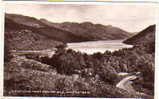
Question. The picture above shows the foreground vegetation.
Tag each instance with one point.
(70, 73)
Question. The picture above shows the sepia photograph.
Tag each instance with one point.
(79, 50)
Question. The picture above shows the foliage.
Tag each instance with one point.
(77, 71)
(107, 65)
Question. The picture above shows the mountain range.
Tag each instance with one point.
(70, 32)
(90, 30)
(43, 29)
(25, 32)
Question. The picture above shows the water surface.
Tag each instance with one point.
(91, 47)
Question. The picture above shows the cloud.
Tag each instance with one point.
(130, 17)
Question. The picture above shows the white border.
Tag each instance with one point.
(84, 2)
(1, 46)
(157, 55)
(148, 1)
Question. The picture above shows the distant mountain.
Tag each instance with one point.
(90, 30)
(145, 36)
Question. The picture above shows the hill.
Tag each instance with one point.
(69, 32)
(145, 36)
(21, 37)
(40, 34)
(90, 30)
(43, 29)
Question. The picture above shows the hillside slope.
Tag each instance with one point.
(43, 29)
(21, 37)
(145, 36)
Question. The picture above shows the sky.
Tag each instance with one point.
(129, 17)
